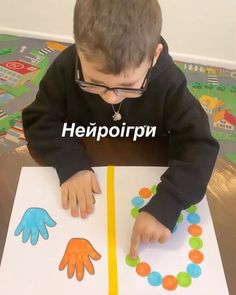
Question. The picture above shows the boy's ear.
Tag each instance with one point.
(157, 53)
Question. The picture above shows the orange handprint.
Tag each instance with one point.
(77, 256)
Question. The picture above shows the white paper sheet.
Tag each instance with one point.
(33, 269)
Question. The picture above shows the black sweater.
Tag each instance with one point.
(167, 104)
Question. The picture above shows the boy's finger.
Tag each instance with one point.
(64, 197)
(73, 204)
(82, 205)
(95, 185)
(163, 239)
(154, 239)
(89, 201)
(145, 238)
(135, 240)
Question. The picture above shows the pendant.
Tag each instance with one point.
(116, 116)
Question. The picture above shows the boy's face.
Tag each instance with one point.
(130, 78)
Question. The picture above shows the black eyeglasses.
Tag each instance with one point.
(101, 89)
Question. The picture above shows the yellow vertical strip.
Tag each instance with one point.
(111, 233)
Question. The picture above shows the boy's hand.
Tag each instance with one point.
(77, 193)
(148, 230)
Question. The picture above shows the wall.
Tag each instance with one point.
(202, 31)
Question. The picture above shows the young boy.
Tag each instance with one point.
(119, 70)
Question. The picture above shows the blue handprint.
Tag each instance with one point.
(33, 223)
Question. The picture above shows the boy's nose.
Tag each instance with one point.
(110, 97)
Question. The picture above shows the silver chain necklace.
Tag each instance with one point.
(117, 116)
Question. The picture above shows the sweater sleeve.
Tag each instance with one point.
(43, 122)
(192, 154)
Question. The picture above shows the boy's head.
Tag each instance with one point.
(117, 38)
(117, 34)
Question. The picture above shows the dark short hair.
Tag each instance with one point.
(117, 34)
